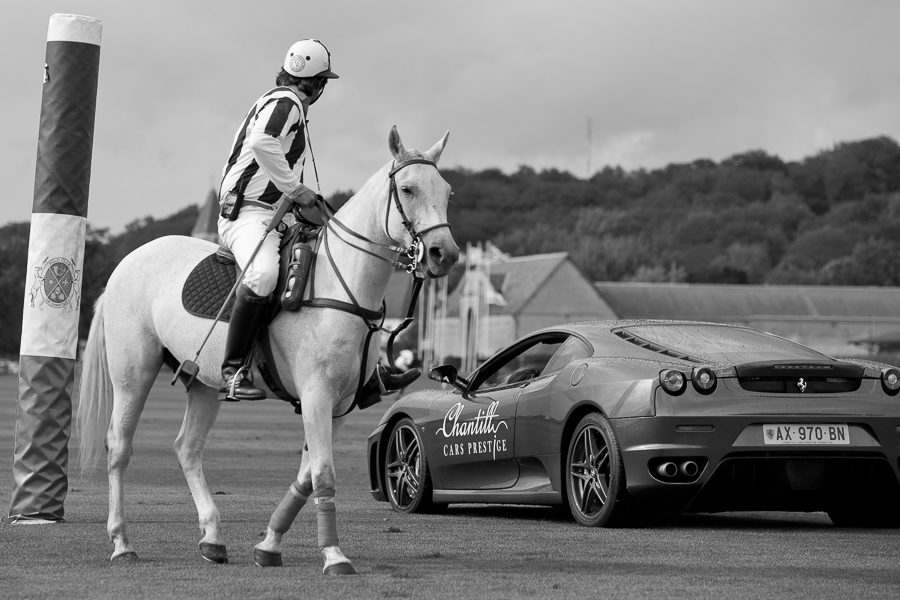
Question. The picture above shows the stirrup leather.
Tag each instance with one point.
(379, 371)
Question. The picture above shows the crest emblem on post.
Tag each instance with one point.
(801, 385)
(55, 283)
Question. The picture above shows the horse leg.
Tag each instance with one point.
(321, 430)
(128, 403)
(267, 553)
(199, 417)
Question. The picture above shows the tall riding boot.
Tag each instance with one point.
(245, 316)
(381, 379)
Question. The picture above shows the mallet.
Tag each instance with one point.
(190, 368)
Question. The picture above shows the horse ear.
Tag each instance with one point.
(396, 146)
(435, 152)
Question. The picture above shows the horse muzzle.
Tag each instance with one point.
(441, 252)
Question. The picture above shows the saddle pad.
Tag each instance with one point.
(207, 287)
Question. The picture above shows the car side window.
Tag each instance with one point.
(522, 366)
(573, 349)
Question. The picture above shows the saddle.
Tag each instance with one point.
(209, 283)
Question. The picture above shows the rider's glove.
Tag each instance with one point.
(303, 196)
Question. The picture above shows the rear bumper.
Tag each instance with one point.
(737, 470)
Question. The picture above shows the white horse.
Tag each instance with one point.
(317, 351)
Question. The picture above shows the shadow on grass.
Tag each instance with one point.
(648, 520)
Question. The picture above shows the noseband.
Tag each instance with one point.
(416, 235)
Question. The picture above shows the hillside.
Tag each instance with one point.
(829, 219)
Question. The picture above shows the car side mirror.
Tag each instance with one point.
(448, 374)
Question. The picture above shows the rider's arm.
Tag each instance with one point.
(268, 153)
(265, 140)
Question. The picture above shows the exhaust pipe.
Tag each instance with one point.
(689, 468)
(667, 470)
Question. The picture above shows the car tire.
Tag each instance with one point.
(407, 479)
(595, 476)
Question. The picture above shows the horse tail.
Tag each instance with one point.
(95, 396)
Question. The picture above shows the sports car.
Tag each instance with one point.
(613, 419)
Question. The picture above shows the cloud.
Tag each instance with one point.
(514, 81)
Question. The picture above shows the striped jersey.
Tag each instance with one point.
(269, 150)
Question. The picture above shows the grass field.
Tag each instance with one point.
(469, 552)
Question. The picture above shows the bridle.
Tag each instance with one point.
(415, 235)
(414, 252)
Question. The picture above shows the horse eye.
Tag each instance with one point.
(405, 190)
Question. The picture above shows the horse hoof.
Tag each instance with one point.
(126, 558)
(214, 553)
(341, 568)
(266, 559)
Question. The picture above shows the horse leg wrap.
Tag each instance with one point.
(290, 506)
(325, 517)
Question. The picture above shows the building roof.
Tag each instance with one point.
(516, 279)
(206, 227)
(735, 302)
(523, 276)
(889, 337)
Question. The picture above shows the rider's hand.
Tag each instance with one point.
(303, 196)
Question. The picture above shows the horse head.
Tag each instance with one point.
(421, 196)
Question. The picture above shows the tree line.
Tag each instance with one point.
(752, 218)
(829, 219)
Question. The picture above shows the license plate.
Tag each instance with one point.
(788, 435)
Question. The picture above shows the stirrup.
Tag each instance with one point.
(238, 376)
(406, 377)
(242, 373)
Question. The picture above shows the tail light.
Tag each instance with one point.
(704, 380)
(672, 381)
(890, 380)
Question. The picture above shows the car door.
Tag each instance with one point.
(472, 440)
(473, 434)
(541, 406)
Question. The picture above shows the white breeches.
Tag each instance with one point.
(241, 236)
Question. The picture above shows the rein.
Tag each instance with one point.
(414, 252)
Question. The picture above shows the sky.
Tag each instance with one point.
(571, 85)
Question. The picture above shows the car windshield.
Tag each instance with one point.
(719, 344)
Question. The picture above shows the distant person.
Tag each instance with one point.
(404, 360)
(265, 161)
